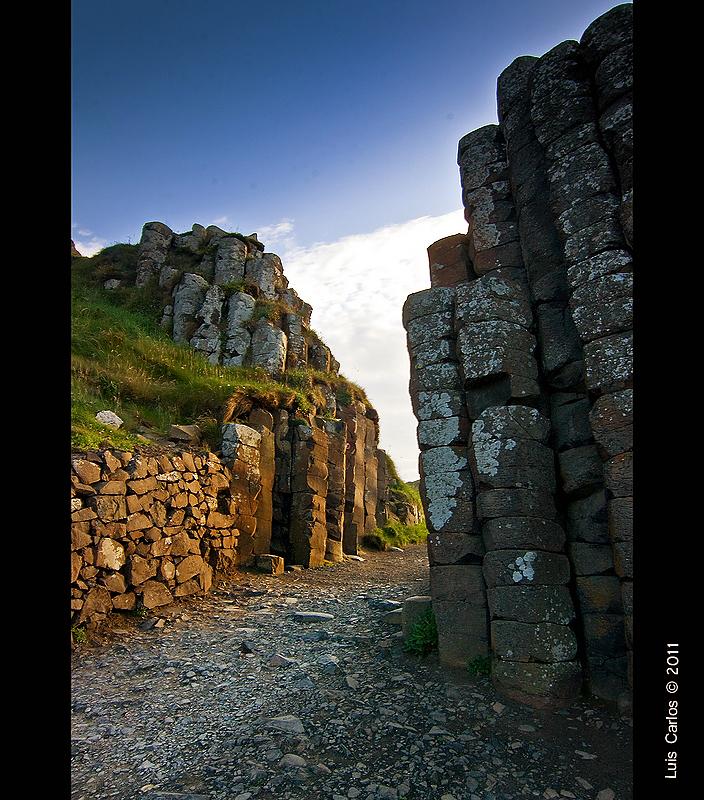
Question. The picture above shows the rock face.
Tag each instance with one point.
(521, 380)
(227, 298)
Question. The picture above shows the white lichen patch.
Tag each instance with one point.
(522, 567)
(486, 449)
(442, 460)
(434, 404)
(440, 511)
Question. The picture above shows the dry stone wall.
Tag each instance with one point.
(521, 380)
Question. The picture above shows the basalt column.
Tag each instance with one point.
(582, 497)
(539, 292)
(556, 102)
(336, 431)
(371, 465)
(263, 422)
(454, 547)
(309, 485)
(353, 529)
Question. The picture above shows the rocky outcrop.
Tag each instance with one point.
(521, 380)
(229, 299)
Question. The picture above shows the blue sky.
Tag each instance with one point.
(313, 123)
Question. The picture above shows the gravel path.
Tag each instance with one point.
(184, 712)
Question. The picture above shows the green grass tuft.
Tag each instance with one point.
(395, 534)
(481, 665)
(423, 635)
(123, 361)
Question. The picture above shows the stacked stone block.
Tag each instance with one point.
(336, 431)
(149, 529)
(544, 330)
(309, 484)
(447, 487)
(263, 422)
(353, 529)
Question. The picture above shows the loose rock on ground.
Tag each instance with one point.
(185, 712)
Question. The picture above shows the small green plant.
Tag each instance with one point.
(423, 635)
(79, 634)
(481, 665)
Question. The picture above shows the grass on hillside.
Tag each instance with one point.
(124, 362)
(395, 534)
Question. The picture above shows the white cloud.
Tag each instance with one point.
(89, 247)
(357, 287)
(280, 233)
(224, 220)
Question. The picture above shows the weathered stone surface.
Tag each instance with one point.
(266, 273)
(442, 432)
(448, 494)
(448, 261)
(190, 566)
(458, 581)
(599, 594)
(531, 604)
(515, 502)
(608, 363)
(270, 564)
(153, 246)
(451, 548)
(618, 475)
(620, 519)
(463, 631)
(586, 518)
(500, 295)
(527, 567)
(188, 300)
(590, 559)
(507, 533)
(611, 420)
(429, 301)
(140, 570)
(155, 594)
(528, 681)
(268, 347)
(580, 469)
(86, 470)
(109, 418)
(110, 554)
(229, 261)
(413, 608)
(543, 641)
(97, 601)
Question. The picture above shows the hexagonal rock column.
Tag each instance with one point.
(353, 530)
(562, 376)
(449, 261)
(263, 422)
(336, 431)
(153, 247)
(240, 451)
(591, 208)
(447, 488)
(309, 484)
(533, 645)
(371, 441)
